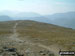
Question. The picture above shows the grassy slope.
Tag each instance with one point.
(6, 27)
(52, 34)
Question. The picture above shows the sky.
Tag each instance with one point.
(38, 6)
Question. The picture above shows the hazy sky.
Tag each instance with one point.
(38, 6)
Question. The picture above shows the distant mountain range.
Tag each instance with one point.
(61, 19)
(5, 18)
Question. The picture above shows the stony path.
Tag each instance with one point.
(14, 37)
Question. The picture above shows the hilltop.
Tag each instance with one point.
(35, 37)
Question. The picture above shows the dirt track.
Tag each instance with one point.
(14, 37)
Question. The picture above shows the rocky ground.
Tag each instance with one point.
(13, 44)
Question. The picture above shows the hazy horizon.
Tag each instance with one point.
(58, 12)
(43, 7)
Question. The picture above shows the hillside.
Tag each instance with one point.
(35, 36)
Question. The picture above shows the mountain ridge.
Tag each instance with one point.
(61, 19)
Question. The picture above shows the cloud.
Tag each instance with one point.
(59, 3)
(20, 0)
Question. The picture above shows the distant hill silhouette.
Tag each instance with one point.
(61, 19)
(5, 18)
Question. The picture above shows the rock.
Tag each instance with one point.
(20, 54)
(46, 52)
(9, 49)
(42, 53)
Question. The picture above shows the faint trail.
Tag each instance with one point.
(15, 34)
(14, 28)
(14, 37)
(54, 49)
